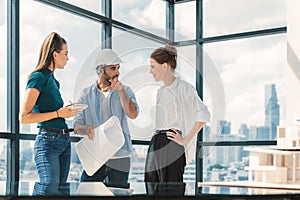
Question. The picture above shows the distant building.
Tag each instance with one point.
(224, 155)
(244, 130)
(224, 127)
(263, 133)
(259, 133)
(252, 132)
(271, 111)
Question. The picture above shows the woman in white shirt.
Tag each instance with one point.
(180, 115)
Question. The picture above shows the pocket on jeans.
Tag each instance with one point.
(50, 137)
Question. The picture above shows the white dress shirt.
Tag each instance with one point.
(179, 106)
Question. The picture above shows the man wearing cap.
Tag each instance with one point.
(106, 98)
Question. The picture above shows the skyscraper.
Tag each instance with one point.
(271, 110)
(224, 127)
(244, 130)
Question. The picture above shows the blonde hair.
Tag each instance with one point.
(53, 42)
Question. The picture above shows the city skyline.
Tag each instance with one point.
(267, 128)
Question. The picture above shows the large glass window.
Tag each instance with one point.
(3, 65)
(134, 72)
(186, 64)
(137, 168)
(248, 85)
(91, 5)
(28, 171)
(80, 43)
(225, 164)
(185, 12)
(3, 166)
(149, 15)
(186, 70)
(234, 16)
(254, 77)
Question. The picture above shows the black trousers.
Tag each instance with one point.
(165, 160)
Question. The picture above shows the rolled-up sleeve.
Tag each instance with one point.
(79, 119)
(198, 108)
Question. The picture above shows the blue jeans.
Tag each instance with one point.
(52, 154)
(114, 173)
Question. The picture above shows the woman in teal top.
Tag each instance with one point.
(43, 105)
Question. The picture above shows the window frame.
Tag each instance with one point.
(13, 134)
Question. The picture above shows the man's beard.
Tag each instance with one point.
(108, 79)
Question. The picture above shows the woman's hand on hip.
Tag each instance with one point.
(176, 137)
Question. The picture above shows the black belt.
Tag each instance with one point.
(165, 131)
(57, 130)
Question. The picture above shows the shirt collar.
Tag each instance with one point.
(174, 84)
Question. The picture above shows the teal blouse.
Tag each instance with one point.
(49, 99)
